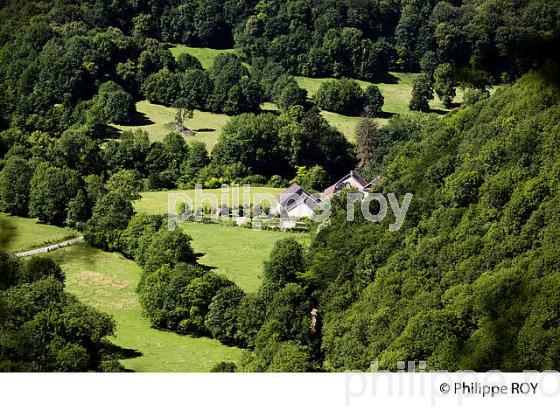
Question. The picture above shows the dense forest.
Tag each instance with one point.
(470, 281)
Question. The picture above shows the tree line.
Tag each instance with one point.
(46, 329)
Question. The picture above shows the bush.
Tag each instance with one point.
(473, 95)
(45, 329)
(15, 186)
(286, 260)
(164, 87)
(444, 84)
(168, 248)
(224, 367)
(314, 178)
(291, 95)
(163, 295)
(251, 314)
(341, 96)
(276, 181)
(112, 104)
(422, 92)
(373, 100)
(196, 89)
(221, 320)
(186, 61)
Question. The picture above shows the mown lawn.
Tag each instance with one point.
(206, 56)
(155, 203)
(159, 121)
(23, 234)
(107, 281)
(237, 253)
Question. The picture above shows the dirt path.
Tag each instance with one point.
(50, 248)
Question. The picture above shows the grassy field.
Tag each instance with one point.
(206, 56)
(396, 91)
(159, 122)
(156, 202)
(237, 253)
(23, 234)
(107, 281)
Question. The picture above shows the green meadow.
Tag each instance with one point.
(155, 202)
(107, 281)
(237, 253)
(396, 90)
(159, 121)
(206, 56)
(23, 234)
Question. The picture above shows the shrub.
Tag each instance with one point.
(221, 320)
(373, 100)
(163, 87)
(186, 61)
(422, 92)
(341, 96)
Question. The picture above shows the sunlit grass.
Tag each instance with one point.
(160, 121)
(23, 234)
(107, 281)
(206, 56)
(156, 202)
(238, 253)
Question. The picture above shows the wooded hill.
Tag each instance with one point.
(472, 279)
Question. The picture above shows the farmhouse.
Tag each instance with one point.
(296, 202)
(352, 180)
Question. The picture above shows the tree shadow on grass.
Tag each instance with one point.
(438, 111)
(205, 268)
(385, 78)
(107, 132)
(120, 353)
(386, 115)
(139, 120)
(8, 233)
(269, 111)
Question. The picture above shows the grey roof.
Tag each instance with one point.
(358, 178)
(373, 182)
(296, 195)
(337, 186)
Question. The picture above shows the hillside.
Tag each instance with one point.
(107, 282)
(23, 234)
(158, 121)
(108, 106)
(471, 281)
(396, 88)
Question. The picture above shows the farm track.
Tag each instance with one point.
(50, 248)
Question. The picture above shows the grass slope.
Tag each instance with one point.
(206, 56)
(237, 253)
(155, 203)
(23, 234)
(159, 122)
(396, 90)
(107, 281)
